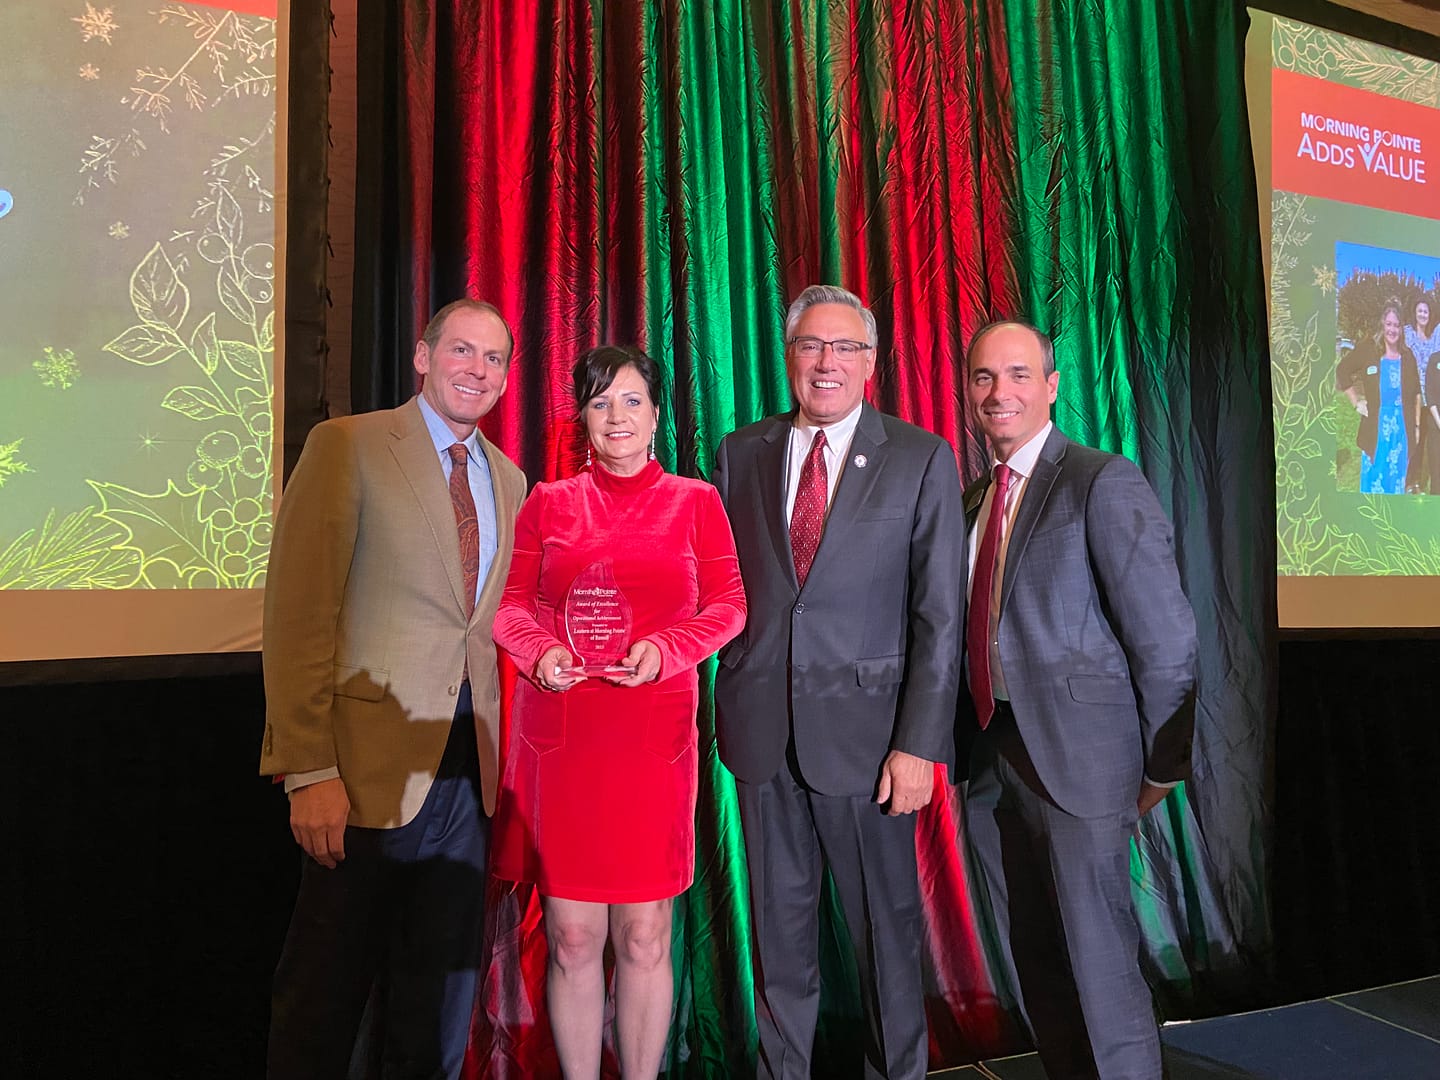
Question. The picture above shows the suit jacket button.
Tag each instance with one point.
(799, 609)
(453, 689)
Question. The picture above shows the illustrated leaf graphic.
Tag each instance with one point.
(158, 295)
(10, 465)
(229, 221)
(267, 333)
(145, 345)
(204, 345)
(80, 551)
(1312, 51)
(235, 301)
(161, 528)
(195, 402)
(244, 360)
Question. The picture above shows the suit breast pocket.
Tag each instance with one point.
(1055, 547)
(883, 513)
(1053, 532)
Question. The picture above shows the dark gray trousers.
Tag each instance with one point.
(791, 834)
(1058, 889)
(398, 924)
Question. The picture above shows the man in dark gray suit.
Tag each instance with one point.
(836, 702)
(1080, 653)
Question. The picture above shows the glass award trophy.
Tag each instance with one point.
(598, 622)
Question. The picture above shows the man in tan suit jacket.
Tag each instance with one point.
(382, 709)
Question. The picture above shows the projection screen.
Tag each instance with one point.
(1347, 146)
(140, 223)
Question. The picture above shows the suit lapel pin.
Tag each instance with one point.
(861, 461)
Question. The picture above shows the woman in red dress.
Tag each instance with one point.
(597, 803)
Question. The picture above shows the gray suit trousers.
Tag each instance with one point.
(1058, 889)
(791, 834)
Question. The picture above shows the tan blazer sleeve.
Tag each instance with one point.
(314, 542)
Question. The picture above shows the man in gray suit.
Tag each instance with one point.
(1080, 653)
(836, 702)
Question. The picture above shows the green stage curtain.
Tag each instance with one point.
(1138, 249)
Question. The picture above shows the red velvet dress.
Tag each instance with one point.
(597, 799)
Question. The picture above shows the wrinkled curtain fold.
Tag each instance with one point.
(673, 172)
(1137, 245)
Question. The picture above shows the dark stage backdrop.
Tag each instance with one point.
(148, 873)
(1357, 860)
(672, 172)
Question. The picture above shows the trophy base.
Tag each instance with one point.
(592, 670)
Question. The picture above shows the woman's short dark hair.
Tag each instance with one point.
(596, 370)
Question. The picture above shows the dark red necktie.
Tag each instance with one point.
(463, 503)
(807, 520)
(982, 586)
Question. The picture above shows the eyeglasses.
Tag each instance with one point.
(811, 347)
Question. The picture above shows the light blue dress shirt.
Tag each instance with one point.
(477, 471)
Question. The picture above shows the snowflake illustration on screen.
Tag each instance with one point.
(59, 369)
(97, 24)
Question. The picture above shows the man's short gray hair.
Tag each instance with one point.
(830, 294)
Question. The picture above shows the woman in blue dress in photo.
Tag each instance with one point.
(1422, 338)
(1382, 384)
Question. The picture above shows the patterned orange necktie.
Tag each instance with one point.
(463, 503)
(807, 520)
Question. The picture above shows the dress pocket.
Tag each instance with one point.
(540, 720)
(670, 724)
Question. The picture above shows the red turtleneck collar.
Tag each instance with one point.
(615, 484)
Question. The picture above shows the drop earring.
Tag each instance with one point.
(652, 446)
(587, 456)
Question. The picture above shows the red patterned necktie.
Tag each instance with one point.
(807, 520)
(463, 503)
(982, 586)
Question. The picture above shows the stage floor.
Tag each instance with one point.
(1389, 1033)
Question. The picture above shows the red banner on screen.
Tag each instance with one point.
(1354, 146)
(242, 7)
